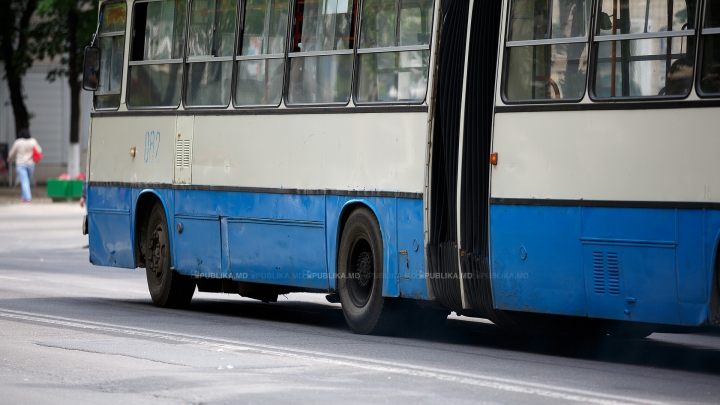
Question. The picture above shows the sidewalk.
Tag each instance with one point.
(12, 195)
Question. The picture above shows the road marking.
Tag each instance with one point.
(504, 384)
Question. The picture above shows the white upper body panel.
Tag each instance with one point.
(616, 155)
(360, 152)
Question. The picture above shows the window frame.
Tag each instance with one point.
(388, 49)
(122, 64)
(187, 60)
(290, 39)
(180, 60)
(592, 57)
(701, 33)
(586, 39)
(240, 28)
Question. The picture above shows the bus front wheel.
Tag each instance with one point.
(168, 288)
(360, 277)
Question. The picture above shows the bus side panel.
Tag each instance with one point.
(109, 226)
(265, 238)
(631, 264)
(197, 245)
(277, 252)
(536, 259)
(411, 271)
(692, 265)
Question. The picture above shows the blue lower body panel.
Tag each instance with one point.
(271, 238)
(630, 264)
(110, 227)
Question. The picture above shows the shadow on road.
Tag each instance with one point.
(641, 352)
(458, 335)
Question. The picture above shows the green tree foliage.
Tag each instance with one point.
(15, 53)
(65, 27)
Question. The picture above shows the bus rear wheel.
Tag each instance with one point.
(360, 277)
(168, 288)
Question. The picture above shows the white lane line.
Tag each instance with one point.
(15, 278)
(505, 384)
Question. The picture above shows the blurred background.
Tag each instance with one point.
(41, 46)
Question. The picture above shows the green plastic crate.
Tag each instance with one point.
(57, 189)
(60, 190)
(75, 189)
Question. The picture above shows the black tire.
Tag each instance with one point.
(168, 288)
(360, 277)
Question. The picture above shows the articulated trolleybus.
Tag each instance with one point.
(538, 163)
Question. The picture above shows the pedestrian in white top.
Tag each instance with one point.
(24, 148)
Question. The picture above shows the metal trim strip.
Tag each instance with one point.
(406, 48)
(629, 242)
(209, 58)
(111, 211)
(644, 35)
(154, 62)
(260, 57)
(551, 41)
(605, 203)
(610, 104)
(710, 31)
(271, 221)
(267, 190)
(320, 53)
(145, 112)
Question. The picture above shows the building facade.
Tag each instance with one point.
(49, 106)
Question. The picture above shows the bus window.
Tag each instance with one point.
(156, 54)
(644, 48)
(709, 81)
(321, 57)
(546, 50)
(112, 45)
(211, 38)
(260, 61)
(394, 52)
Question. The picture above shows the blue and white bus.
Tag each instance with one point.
(531, 162)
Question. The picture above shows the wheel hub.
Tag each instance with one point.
(156, 249)
(361, 272)
(364, 269)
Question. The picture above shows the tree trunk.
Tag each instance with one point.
(73, 74)
(22, 117)
(75, 88)
(14, 34)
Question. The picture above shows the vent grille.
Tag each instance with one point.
(599, 272)
(613, 273)
(606, 273)
(182, 153)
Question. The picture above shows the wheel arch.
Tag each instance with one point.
(144, 203)
(389, 265)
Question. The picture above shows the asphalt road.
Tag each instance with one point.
(74, 333)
